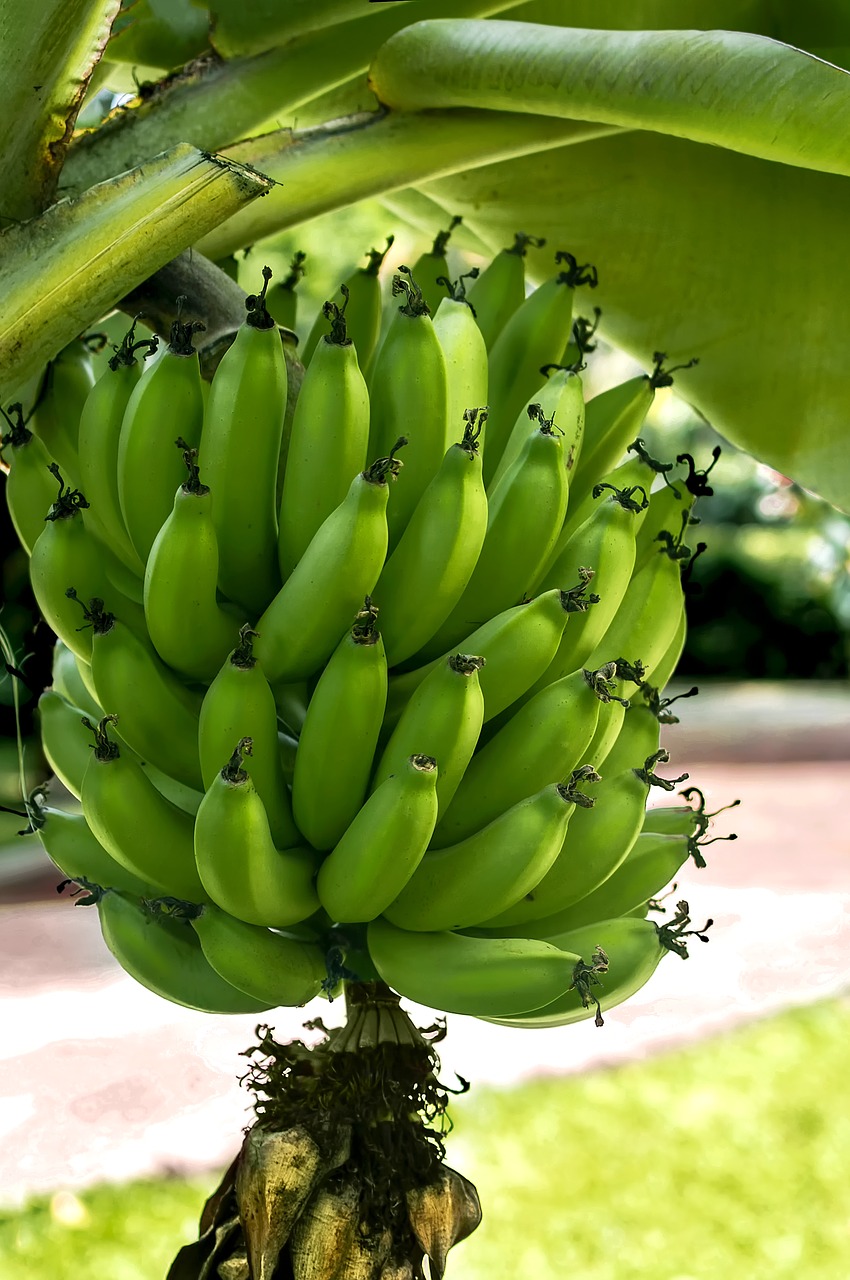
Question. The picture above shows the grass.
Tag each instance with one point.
(725, 1160)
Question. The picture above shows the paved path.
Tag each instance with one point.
(101, 1080)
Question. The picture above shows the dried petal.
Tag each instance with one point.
(324, 1233)
(227, 1238)
(211, 1212)
(235, 1267)
(441, 1214)
(397, 1271)
(366, 1257)
(276, 1176)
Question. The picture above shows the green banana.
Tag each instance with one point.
(308, 617)
(336, 748)
(240, 704)
(137, 825)
(525, 513)
(364, 310)
(165, 403)
(636, 473)
(668, 506)
(499, 290)
(157, 712)
(540, 745)
(488, 872)
(599, 839)
(624, 954)
(281, 300)
(188, 627)
(428, 571)
(70, 843)
(100, 433)
(443, 719)
(383, 846)
(666, 665)
(517, 646)
(56, 413)
(65, 556)
(330, 436)
(464, 350)
(239, 866)
(559, 399)
(30, 489)
(535, 335)
(164, 955)
(431, 268)
(69, 684)
(613, 419)
(495, 977)
(63, 740)
(271, 968)
(240, 445)
(409, 397)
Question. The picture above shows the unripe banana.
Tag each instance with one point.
(431, 268)
(240, 704)
(485, 977)
(240, 445)
(330, 436)
(409, 397)
(56, 414)
(63, 740)
(383, 846)
(189, 629)
(488, 872)
(336, 748)
(313, 609)
(499, 291)
(464, 350)
(69, 683)
(534, 336)
(559, 399)
(443, 719)
(134, 822)
(638, 473)
(270, 967)
(30, 488)
(70, 843)
(363, 313)
(166, 402)
(667, 507)
(239, 866)
(525, 513)
(164, 955)
(157, 712)
(281, 300)
(100, 434)
(541, 744)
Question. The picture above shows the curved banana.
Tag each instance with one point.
(495, 977)
(428, 571)
(666, 510)
(638, 472)
(240, 446)
(70, 843)
(239, 866)
(310, 614)
(165, 403)
(526, 511)
(464, 350)
(383, 846)
(342, 725)
(134, 822)
(281, 300)
(499, 290)
(59, 402)
(100, 434)
(363, 314)
(488, 872)
(541, 744)
(271, 968)
(409, 398)
(164, 955)
(188, 627)
(443, 719)
(329, 439)
(69, 683)
(64, 740)
(535, 335)
(157, 712)
(30, 488)
(431, 268)
(240, 704)
(559, 399)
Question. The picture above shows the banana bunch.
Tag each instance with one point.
(331, 686)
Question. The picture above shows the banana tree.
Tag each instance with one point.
(701, 169)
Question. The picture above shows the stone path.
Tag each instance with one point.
(100, 1080)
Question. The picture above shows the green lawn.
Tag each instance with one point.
(722, 1162)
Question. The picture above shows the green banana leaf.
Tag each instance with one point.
(48, 51)
(63, 270)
